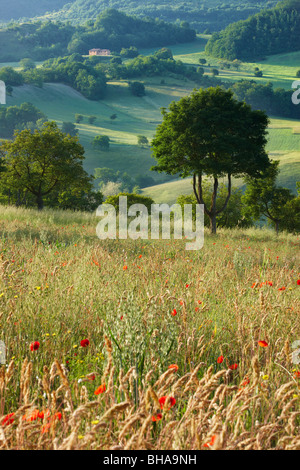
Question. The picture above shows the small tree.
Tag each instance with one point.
(113, 117)
(142, 140)
(44, 161)
(78, 118)
(211, 133)
(92, 120)
(214, 72)
(202, 61)
(69, 128)
(27, 64)
(137, 89)
(264, 198)
(101, 142)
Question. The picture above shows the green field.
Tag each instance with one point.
(140, 116)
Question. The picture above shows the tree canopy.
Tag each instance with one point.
(42, 162)
(210, 133)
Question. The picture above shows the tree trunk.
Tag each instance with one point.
(213, 224)
(277, 226)
(40, 202)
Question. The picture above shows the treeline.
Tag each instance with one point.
(269, 32)
(202, 15)
(110, 30)
(275, 102)
(89, 77)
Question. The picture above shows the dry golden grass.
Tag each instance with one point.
(157, 318)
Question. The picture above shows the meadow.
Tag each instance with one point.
(142, 344)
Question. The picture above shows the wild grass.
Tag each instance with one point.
(157, 318)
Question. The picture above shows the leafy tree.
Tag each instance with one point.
(101, 142)
(211, 133)
(298, 74)
(78, 118)
(142, 140)
(132, 198)
(202, 61)
(27, 64)
(164, 53)
(264, 198)
(18, 117)
(92, 120)
(105, 175)
(113, 117)
(137, 89)
(69, 128)
(43, 162)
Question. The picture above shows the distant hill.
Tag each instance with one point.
(40, 40)
(269, 32)
(212, 15)
(15, 9)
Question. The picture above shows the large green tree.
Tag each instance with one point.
(42, 162)
(210, 133)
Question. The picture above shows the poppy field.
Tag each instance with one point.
(129, 345)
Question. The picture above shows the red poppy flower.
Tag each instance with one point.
(298, 282)
(220, 359)
(35, 346)
(100, 389)
(297, 374)
(174, 367)
(174, 312)
(281, 288)
(162, 401)
(8, 419)
(157, 417)
(263, 344)
(233, 367)
(84, 343)
(124, 268)
(187, 285)
(211, 443)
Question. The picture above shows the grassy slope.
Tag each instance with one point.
(141, 116)
(60, 285)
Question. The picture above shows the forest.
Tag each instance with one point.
(269, 32)
(111, 29)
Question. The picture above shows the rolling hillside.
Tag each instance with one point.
(212, 15)
(137, 116)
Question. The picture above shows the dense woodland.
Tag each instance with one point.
(210, 15)
(269, 32)
(111, 30)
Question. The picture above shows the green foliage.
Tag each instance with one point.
(211, 133)
(132, 198)
(69, 128)
(10, 77)
(17, 118)
(201, 15)
(142, 140)
(43, 163)
(276, 102)
(92, 119)
(78, 118)
(269, 32)
(27, 64)
(233, 216)
(264, 198)
(137, 89)
(101, 142)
